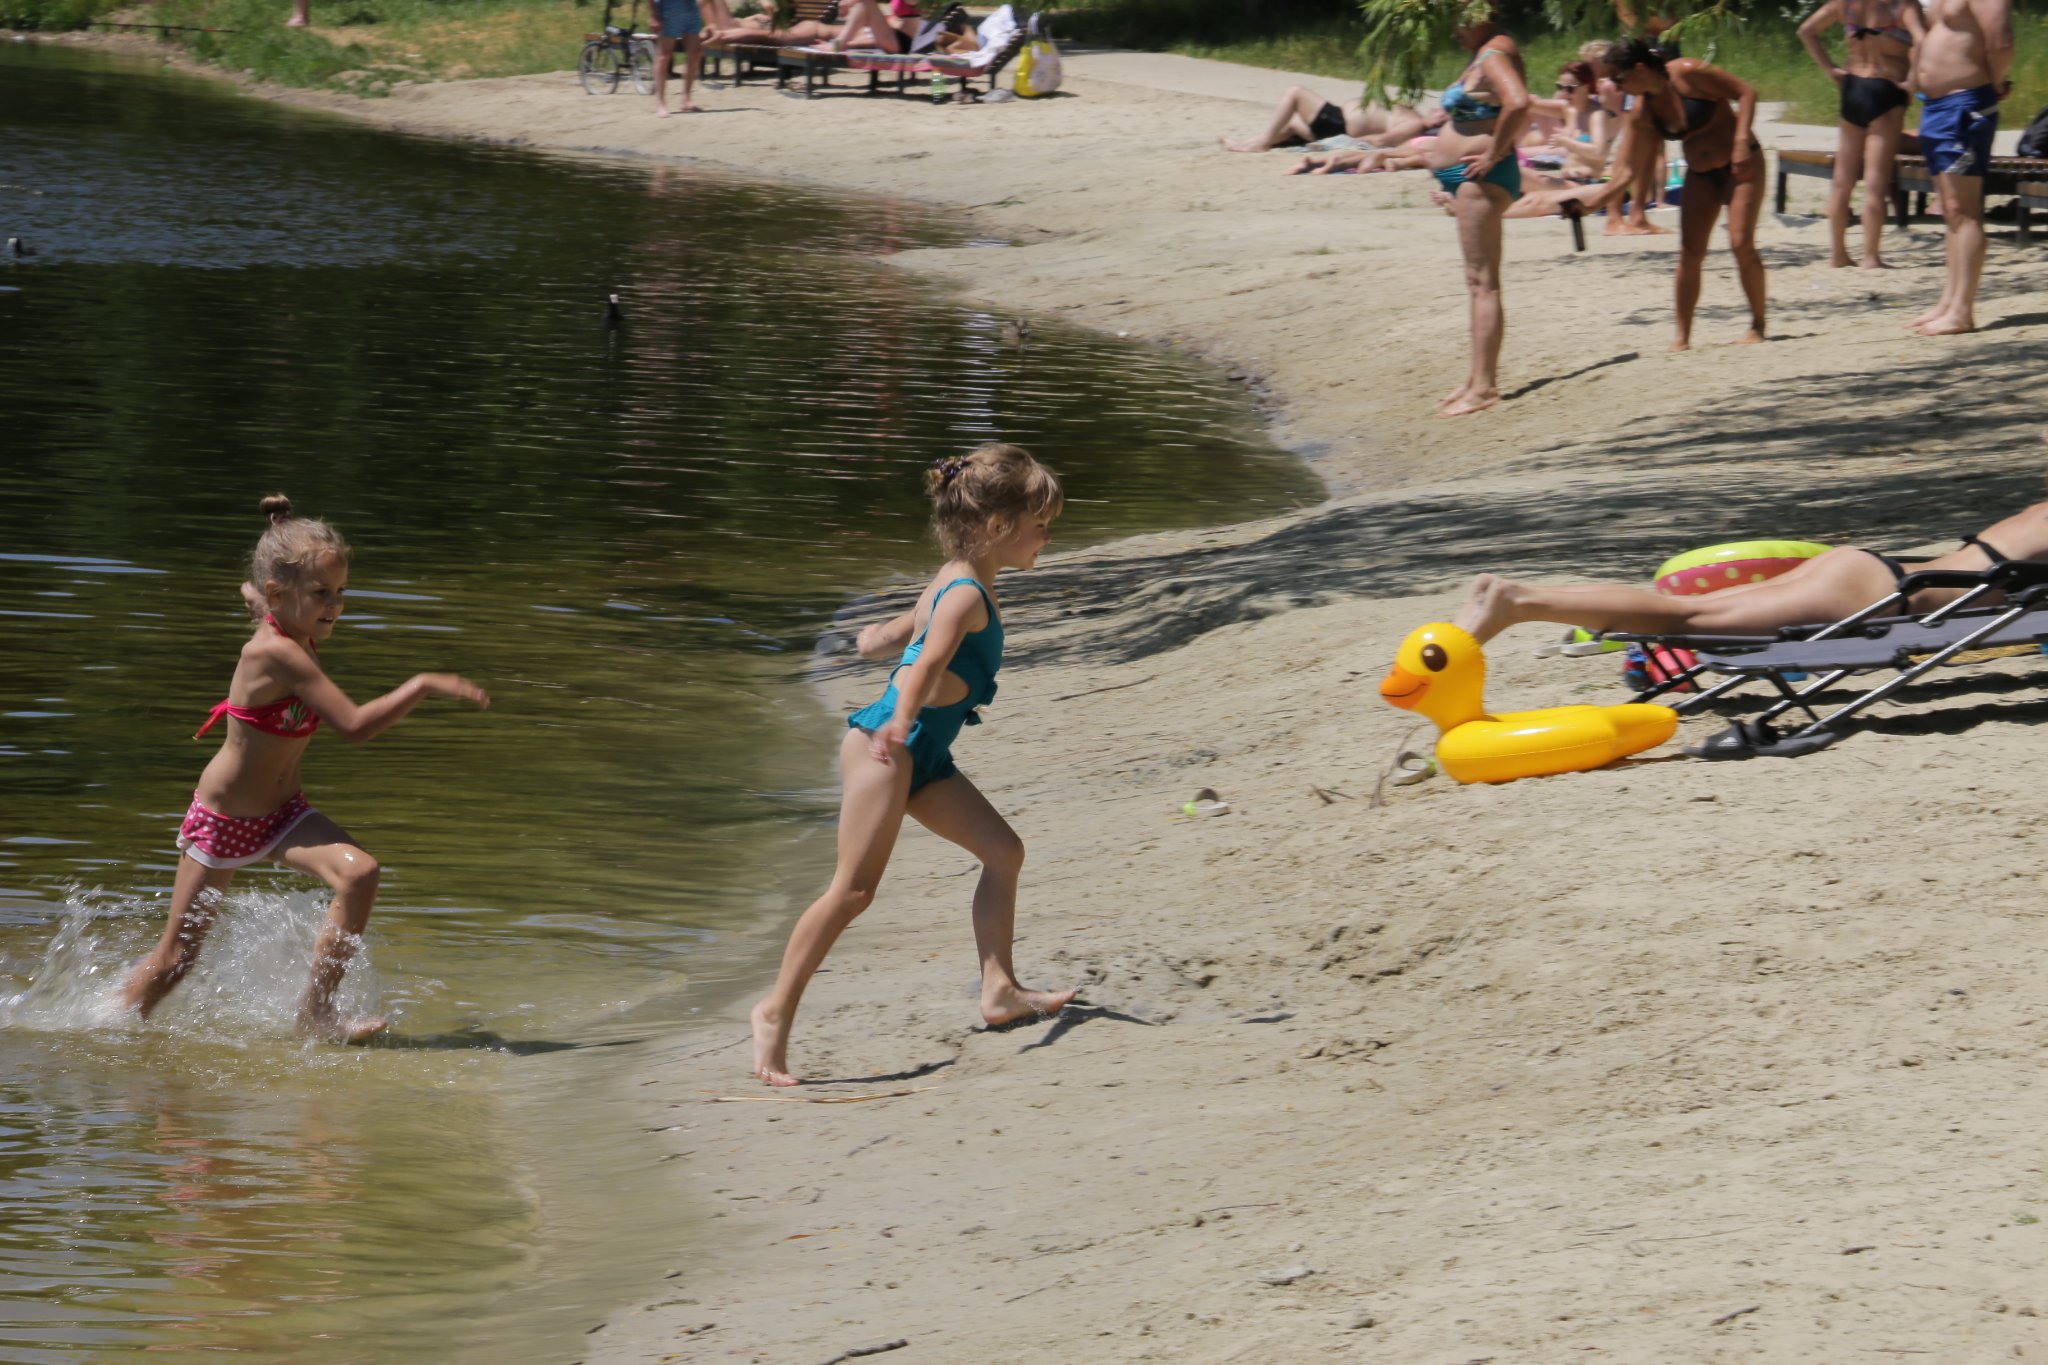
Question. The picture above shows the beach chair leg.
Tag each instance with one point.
(1899, 207)
(1782, 180)
(1824, 731)
(2021, 227)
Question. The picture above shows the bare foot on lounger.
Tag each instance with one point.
(771, 1047)
(1010, 1003)
(1489, 609)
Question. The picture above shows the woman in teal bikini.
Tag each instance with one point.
(991, 511)
(1474, 161)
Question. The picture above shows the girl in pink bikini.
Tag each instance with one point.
(248, 806)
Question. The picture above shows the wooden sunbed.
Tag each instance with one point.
(764, 59)
(2022, 178)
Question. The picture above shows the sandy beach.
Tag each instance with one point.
(1670, 1061)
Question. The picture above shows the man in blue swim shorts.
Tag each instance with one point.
(677, 19)
(1959, 69)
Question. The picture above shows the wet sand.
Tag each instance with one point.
(1671, 1061)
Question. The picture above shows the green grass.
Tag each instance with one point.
(1764, 51)
(369, 45)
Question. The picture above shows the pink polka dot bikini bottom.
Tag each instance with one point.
(219, 840)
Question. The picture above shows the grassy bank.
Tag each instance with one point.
(369, 45)
(1763, 51)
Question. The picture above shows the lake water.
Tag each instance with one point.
(630, 538)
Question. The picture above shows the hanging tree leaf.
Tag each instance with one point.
(1405, 39)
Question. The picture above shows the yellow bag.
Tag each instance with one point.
(1038, 69)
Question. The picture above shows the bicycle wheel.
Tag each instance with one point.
(598, 68)
(643, 67)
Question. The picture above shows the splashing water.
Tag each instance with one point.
(247, 984)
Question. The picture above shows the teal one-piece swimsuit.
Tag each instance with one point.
(931, 737)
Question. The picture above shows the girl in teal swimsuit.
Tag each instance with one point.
(991, 510)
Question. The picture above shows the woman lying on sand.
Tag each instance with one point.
(1305, 116)
(1825, 588)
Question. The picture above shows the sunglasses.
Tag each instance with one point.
(1567, 85)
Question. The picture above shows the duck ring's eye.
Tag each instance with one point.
(1433, 658)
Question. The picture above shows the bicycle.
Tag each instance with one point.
(617, 54)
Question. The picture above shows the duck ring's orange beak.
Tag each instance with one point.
(1402, 688)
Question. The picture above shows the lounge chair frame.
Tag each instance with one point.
(1883, 635)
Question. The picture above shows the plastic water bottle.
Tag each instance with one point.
(938, 88)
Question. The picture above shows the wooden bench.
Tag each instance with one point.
(2023, 179)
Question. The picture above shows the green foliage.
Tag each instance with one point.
(1405, 38)
(53, 14)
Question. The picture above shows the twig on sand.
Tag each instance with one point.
(1730, 1317)
(1113, 687)
(816, 1099)
(858, 1351)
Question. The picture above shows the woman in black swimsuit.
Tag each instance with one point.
(1709, 113)
(1881, 34)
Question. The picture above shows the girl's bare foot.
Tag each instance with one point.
(689, 107)
(1840, 261)
(662, 111)
(1751, 337)
(1947, 326)
(771, 1046)
(1682, 344)
(1470, 401)
(1930, 315)
(1874, 264)
(342, 1028)
(1008, 1004)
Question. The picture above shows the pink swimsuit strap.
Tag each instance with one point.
(287, 717)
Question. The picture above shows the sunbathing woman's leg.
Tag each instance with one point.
(1290, 122)
(866, 27)
(1824, 588)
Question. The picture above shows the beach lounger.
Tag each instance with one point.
(1802, 662)
(2020, 177)
(1003, 37)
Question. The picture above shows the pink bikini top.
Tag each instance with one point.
(287, 717)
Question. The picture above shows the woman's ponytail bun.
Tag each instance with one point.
(275, 508)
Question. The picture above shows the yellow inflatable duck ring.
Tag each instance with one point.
(1440, 672)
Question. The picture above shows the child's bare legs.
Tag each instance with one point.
(954, 808)
(195, 903)
(870, 817)
(323, 848)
